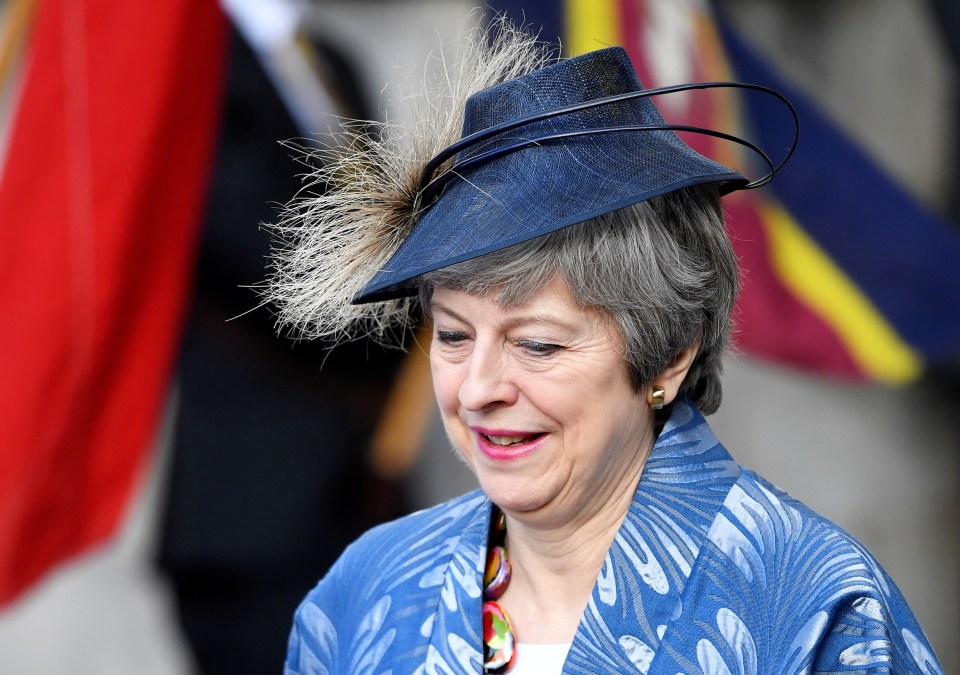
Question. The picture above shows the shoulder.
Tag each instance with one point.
(422, 530)
(385, 585)
(769, 533)
(424, 535)
(834, 604)
(755, 500)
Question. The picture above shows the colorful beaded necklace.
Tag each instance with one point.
(499, 638)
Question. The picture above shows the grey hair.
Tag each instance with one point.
(663, 270)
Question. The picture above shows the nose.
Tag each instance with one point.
(488, 380)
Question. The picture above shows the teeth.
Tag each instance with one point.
(505, 440)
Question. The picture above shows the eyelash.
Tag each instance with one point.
(538, 348)
(453, 338)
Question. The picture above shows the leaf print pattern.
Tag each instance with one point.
(799, 650)
(311, 651)
(639, 653)
(401, 599)
(921, 654)
(739, 640)
(649, 568)
(710, 660)
(869, 653)
(792, 593)
(606, 583)
(371, 644)
(713, 570)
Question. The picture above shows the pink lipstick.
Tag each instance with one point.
(506, 444)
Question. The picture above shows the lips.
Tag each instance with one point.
(509, 440)
(504, 444)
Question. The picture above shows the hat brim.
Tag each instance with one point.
(538, 190)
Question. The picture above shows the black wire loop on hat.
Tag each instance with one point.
(430, 185)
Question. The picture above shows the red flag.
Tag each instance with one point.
(100, 199)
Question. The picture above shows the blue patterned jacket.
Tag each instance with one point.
(713, 570)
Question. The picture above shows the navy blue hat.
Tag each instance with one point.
(516, 178)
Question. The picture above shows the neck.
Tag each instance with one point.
(556, 560)
(568, 549)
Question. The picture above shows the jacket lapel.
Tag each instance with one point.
(685, 480)
(455, 642)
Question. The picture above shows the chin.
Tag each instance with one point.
(514, 496)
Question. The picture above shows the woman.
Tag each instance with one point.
(570, 251)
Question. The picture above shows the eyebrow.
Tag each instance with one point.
(512, 322)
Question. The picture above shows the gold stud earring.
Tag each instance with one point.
(655, 398)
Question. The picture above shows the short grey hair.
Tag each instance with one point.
(663, 270)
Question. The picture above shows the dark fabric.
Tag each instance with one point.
(268, 481)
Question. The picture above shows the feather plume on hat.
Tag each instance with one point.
(331, 243)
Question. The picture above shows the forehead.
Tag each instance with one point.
(554, 295)
(553, 304)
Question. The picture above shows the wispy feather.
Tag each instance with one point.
(359, 200)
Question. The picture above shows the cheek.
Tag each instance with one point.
(446, 389)
(446, 384)
(596, 403)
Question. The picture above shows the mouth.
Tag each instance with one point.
(507, 441)
(500, 444)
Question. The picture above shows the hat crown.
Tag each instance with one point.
(589, 77)
(535, 176)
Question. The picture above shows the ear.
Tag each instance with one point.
(671, 377)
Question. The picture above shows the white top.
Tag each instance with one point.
(537, 659)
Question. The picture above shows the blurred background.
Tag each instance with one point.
(174, 476)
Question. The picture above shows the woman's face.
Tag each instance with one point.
(537, 400)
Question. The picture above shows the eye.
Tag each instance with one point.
(538, 348)
(451, 337)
